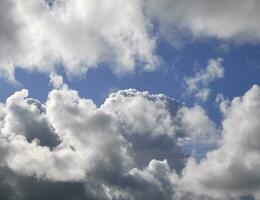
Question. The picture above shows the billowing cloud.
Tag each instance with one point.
(130, 147)
(199, 83)
(116, 150)
(75, 34)
(195, 123)
(78, 34)
(232, 170)
(133, 145)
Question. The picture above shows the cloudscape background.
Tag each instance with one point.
(129, 100)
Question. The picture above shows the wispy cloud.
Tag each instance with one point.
(198, 85)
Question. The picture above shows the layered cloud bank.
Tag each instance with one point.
(130, 147)
(79, 34)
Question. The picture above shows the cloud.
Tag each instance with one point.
(56, 81)
(115, 151)
(195, 123)
(157, 179)
(75, 34)
(129, 147)
(199, 83)
(228, 20)
(26, 117)
(231, 171)
(78, 35)
(27, 157)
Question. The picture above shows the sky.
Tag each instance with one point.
(139, 99)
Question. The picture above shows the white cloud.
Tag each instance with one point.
(56, 81)
(128, 147)
(235, 20)
(231, 170)
(77, 34)
(199, 83)
(158, 179)
(86, 136)
(195, 123)
(107, 148)
(80, 34)
(142, 113)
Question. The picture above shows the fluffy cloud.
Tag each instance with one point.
(86, 136)
(195, 123)
(129, 147)
(231, 171)
(157, 179)
(141, 112)
(132, 146)
(199, 83)
(227, 19)
(77, 34)
(115, 150)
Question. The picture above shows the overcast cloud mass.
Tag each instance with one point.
(134, 145)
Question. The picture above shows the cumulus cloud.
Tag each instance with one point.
(75, 34)
(78, 35)
(228, 19)
(129, 147)
(115, 151)
(199, 83)
(195, 123)
(231, 171)
(132, 146)
(158, 179)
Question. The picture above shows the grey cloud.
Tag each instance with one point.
(97, 147)
(8, 36)
(26, 117)
(107, 152)
(16, 187)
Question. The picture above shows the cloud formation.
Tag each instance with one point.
(133, 145)
(228, 19)
(75, 34)
(128, 148)
(231, 171)
(108, 149)
(78, 35)
(199, 83)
